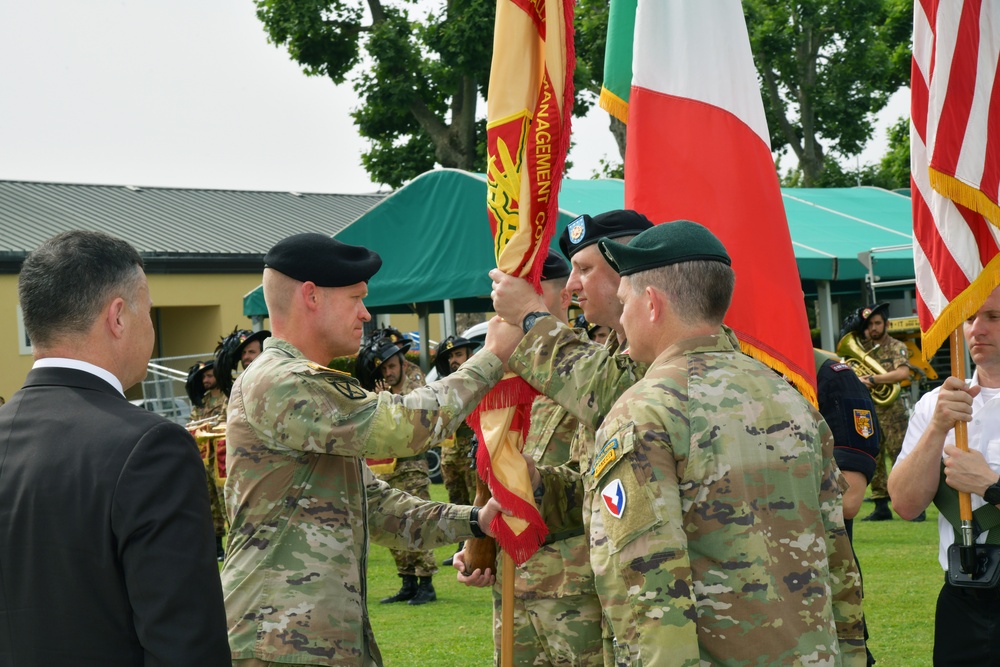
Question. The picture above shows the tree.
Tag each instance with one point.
(826, 67)
(419, 82)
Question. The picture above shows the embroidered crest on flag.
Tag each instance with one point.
(863, 423)
(614, 498)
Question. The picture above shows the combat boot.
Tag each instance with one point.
(220, 551)
(881, 511)
(405, 593)
(425, 592)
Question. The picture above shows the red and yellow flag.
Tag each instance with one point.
(528, 124)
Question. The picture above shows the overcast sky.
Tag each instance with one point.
(190, 94)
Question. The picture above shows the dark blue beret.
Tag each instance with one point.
(585, 230)
(322, 260)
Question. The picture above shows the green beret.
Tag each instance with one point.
(319, 259)
(665, 244)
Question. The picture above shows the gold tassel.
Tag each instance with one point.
(960, 309)
(614, 105)
(806, 389)
(962, 193)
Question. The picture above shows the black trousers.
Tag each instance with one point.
(967, 627)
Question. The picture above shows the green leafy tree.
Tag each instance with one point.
(826, 67)
(894, 169)
(420, 74)
(418, 81)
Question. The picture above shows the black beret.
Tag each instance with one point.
(555, 266)
(322, 260)
(585, 231)
(669, 243)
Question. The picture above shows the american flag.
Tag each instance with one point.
(954, 161)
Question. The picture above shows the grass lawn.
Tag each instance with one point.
(899, 560)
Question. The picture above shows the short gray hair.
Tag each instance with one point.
(66, 282)
(699, 292)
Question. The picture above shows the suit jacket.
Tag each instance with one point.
(107, 553)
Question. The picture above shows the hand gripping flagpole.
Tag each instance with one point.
(968, 547)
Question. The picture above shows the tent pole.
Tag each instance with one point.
(449, 318)
(423, 312)
(827, 327)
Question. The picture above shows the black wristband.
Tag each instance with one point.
(474, 523)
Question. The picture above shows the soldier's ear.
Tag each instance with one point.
(655, 303)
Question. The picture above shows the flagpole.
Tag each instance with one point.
(507, 613)
(968, 549)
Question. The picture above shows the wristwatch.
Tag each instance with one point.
(530, 319)
(992, 494)
(474, 526)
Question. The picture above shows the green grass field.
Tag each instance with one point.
(899, 560)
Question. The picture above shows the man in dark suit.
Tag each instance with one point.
(107, 554)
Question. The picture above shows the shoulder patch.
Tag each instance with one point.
(841, 366)
(607, 455)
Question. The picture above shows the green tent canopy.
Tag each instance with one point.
(435, 242)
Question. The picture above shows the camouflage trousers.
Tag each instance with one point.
(411, 476)
(555, 632)
(459, 476)
(892, 420)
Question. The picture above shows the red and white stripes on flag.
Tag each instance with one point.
(954, 161)
(699, 149)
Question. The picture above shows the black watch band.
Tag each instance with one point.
(992, 494)
(530, 319)
(474, 523)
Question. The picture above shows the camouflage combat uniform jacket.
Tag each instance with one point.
(302, 502)
(717, 532)
(213, 404)
(409, 466)
(585, 379)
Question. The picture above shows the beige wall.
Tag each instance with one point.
(190, 313)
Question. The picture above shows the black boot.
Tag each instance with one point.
(881, 511)
(450, 559)
(425, 592)
(405, 593)
(220, 552)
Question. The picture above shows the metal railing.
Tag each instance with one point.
(163, 389)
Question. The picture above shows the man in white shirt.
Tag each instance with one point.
(967, 625)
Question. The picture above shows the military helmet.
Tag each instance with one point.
(444, 350)
(375, 351)
(228, 352)
(194, 387)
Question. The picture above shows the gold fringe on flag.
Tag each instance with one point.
(960, 309)
(806, 389)
(962, 193)
(614, 105)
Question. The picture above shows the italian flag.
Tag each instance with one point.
(698, 148)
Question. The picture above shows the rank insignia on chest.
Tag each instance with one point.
(614, 498)
(863, 423)
(607, 455)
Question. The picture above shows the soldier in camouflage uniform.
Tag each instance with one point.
(716, 510)
(301, 501)
(557, 614)
(602, 372)
(893, 356)
(208, 409)
(382, 357)
(456, 457)
(584, 380)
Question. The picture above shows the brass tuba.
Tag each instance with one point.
(863, 365)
